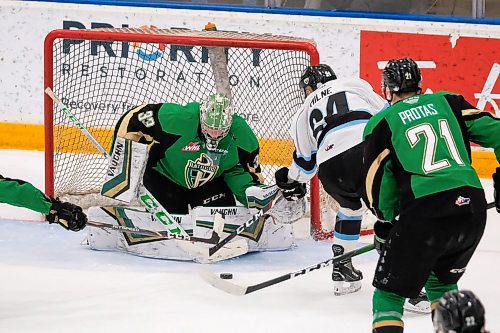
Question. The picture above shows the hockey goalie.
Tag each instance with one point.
(200, 163)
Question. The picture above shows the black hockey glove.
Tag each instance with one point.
(382, 230)
(70, 216)
(496, 186)
(292, 189)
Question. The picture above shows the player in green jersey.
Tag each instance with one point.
(419, 179)
(19, 193)
(201, 154)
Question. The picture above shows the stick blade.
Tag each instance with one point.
(215, 281)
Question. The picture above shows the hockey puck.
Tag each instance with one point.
(226, 276)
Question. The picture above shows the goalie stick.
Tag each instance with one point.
(160, 233)
(235, 289)
(145, 197)
(244, 226)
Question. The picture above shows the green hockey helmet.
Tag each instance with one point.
(215, 119)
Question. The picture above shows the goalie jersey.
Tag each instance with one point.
(331, 121)
(178, 152)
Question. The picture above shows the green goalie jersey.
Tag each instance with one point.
(420, 146)
(22, 194)
(178, 151)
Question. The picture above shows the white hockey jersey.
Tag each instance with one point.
(331, 121)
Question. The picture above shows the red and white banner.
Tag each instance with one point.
(469, 66)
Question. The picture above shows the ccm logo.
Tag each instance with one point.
(214, 197)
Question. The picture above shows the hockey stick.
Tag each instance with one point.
(262, 212)
(161, 233)
(235, 289)
(146, 198)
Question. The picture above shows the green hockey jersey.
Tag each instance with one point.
(22, 194)
(178, 151)
(420, 146)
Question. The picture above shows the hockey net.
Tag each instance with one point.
(100, 74)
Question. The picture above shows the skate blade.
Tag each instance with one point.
(343, 288)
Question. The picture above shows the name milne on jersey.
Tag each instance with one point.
(417, 112)
(320, 94)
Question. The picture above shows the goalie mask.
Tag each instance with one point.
(402, 75)
(215, 119)
(315, 76)
(459, 311)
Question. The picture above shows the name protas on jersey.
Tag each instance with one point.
(418, 112)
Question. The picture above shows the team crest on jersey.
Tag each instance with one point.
(192, 146)
(200, 171)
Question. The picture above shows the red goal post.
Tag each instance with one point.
(100, 73)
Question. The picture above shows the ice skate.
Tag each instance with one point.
(346, 279)
(419, 304)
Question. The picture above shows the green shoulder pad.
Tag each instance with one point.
(179, 119)
(243, 135)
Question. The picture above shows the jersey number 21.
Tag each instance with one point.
(425, 130)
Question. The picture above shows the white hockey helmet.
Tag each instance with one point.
(216, 116)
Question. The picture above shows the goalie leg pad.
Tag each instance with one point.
(146, 246)
(285, 211)
(265, 235)
(126, 168)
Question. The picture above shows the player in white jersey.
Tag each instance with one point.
(328, 135)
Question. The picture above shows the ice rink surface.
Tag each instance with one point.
(51, 283)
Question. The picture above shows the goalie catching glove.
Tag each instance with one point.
(70, 216)
(292, 189)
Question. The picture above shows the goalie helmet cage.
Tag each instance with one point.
(101, 73)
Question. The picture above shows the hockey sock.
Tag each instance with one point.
(347, 227)
(435, 289)
(387, 312)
